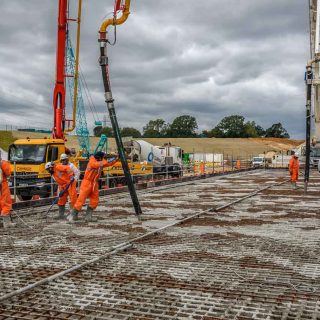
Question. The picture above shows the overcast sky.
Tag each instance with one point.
(205, 58)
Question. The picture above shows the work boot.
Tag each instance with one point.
(7, 223)
(60, 214)
(88, 216)
(73, 216)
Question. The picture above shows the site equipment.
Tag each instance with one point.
(312, 78)
(259, 162)
(103, 40)
(30, 155)
(166, 159)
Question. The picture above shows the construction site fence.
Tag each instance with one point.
(106, 181)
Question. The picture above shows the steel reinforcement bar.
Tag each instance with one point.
(128, 244)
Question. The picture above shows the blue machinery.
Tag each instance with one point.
(82, 130)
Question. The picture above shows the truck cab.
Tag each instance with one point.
(259, 162)
(314, 156)
(27, 159)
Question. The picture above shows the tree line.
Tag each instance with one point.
(186, 126)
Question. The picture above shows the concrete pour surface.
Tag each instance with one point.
(257, 259)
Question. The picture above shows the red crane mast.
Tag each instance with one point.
(59, 93)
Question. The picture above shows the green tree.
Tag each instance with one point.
(154, 128)
(206, 133)
(97, 131)
(108, 131)
(183, 127)
(130, 132)
(277, 131)
(216, 133)
(260, 131)
(250, 130)
(230, 127)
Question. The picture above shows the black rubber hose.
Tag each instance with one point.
(112, 113)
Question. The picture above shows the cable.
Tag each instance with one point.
(88, 95)
(114, 34)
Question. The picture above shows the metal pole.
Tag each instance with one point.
(309, 77)
(212, 162)
(222, 161)
(51, 184)
(15, 182)
(232, 162)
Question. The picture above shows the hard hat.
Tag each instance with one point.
(48, 165)
(296, 155)
(63, 156)
(99, 155)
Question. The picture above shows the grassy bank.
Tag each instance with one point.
(6, 139)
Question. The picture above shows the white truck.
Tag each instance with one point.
(259, 162)
(165, 159)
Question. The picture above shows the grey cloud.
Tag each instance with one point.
(209, 59)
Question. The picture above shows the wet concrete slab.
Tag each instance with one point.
(257, 259)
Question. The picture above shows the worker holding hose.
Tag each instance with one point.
(64, 159)
(63, 175)
(90, 186)
(294, 169)
(5, 196)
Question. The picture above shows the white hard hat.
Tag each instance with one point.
(63, 157)
(48, 165)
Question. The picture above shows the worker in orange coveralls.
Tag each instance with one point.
(202, 168)
(90, 186)
(294, 169)
(64, 176)
(5, 196)
(238, 164)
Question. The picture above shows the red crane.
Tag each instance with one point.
(59, 92)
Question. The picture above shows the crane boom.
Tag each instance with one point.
(59, 88)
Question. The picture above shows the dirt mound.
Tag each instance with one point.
(229, 146)
(278, 143)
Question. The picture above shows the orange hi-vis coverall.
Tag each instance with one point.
(294, 168)
(62, 175)
(5, 197)
(90, 183)
(202, 168)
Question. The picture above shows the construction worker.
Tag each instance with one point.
(90, 186)
(238, 164)
(202, 168)
(64, 159)
(65, 178)
(5, 196)
(294, 169)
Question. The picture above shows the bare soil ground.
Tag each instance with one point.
(241, 146)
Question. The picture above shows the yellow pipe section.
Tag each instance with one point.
(125, 13)
(76, 71)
